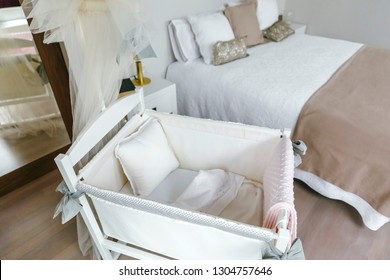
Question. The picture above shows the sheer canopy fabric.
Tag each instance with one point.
(100, 38)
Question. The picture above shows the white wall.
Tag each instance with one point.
(365, 21)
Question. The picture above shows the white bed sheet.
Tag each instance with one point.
(276, 77)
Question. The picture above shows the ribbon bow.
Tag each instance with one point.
(295, 252)
(68, 205)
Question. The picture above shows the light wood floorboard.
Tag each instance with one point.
(28, 230)
(328, 229)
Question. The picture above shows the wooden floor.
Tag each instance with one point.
(27, 228)
(328, 229)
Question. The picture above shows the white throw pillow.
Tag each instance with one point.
(267, 13)
(209, 29)
(185, 39)
(146, 157)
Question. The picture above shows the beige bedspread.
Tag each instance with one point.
(346, 126)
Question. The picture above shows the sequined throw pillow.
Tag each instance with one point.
(226, 51)
(278, 31)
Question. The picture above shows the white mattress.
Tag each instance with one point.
(268, 88)
(247, 207)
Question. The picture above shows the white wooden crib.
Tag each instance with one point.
(122, 223)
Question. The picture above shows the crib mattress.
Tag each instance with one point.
(247, 207)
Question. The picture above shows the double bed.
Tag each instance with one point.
(332, 94)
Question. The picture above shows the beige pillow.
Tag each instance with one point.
(278, 31)
(227, 51)
(244, 22)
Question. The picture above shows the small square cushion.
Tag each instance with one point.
(244, 22)
(146, 157)
(209, 29)
(278, 31)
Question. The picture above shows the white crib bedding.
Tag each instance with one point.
(170, 188)
(246, 207)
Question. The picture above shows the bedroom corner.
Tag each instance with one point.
(269, 87)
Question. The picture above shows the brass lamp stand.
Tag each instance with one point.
(139, 80)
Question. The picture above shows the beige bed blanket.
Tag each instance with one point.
(346, 126)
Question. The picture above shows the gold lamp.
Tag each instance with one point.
(139, 80)
(146, 52)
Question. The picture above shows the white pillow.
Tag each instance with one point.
(146, 157)
(209, 29)
(185, 39)
(267, 13)
(173, 40)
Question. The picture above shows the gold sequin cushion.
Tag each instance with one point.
(226, 51)
(278, 31)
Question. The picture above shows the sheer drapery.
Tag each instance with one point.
(100, 38)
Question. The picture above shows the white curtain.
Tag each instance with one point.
(100, 38)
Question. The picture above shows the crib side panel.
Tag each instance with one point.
(173, 237)
(207, 144)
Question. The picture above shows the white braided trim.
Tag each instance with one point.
(198, 218)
